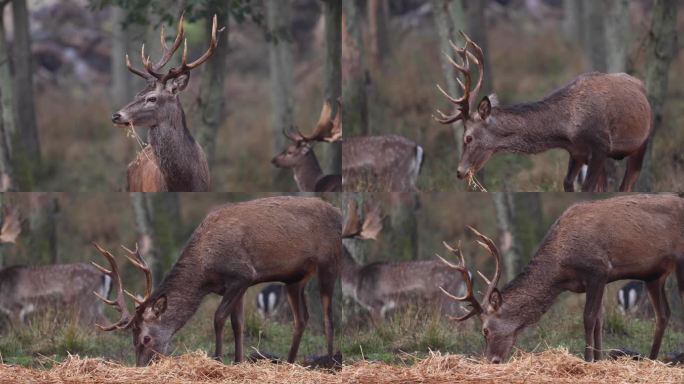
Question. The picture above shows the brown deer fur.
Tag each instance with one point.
(388, 163)
(29, 289)
(594, 243)
(285, 239)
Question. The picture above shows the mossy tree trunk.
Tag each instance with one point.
(378, 34)
(7, 107)
(43, 228)
(573, 31)
(354, 71)
(332, 78)
(211, 100)
(147, 241)
(168, 228)
(661, 50)
(529, 224)
(404, 227)
(508, 242)
(281, 64)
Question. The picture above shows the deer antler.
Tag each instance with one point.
(11, 225)
(187, 67)
(469, 297)
(119, 303)
(369, 228)
(137, 260)
(489, 245)
(465, 102)
(327, 129)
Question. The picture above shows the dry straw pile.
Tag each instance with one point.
(554, 366)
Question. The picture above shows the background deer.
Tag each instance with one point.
(270, 301)
(591, 244)
(300, 157)
(631, 300)
(388, 163)
(595, 117)
(173, 160)
(286, 239)
(382, 286)
(29, 289)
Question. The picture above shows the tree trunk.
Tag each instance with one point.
(529, 225)
(354, 71)
(282, 81)
(377, 32)
(573, 30)
(26, 147)
(505, 213)
(6, 172)
(42, 228)
(661, 51)
(142, 208)
(449, 18)
(7, 99)
(618, 28)
(403, 221)
(121, 92)
(595, 38)
(168, 228)
(211, 100)
(332, 77)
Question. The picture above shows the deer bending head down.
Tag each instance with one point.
(595, 117)
(591, 244)
(173, 160)
(284, 239)
(299, 155)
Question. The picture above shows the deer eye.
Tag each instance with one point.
(151, 99)
(468, 139)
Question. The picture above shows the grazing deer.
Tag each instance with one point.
(285, 239)
(173, 160)
(595, 117)
(27, 289)
(300, 157)
(269, 301)
(591, 244)
(380, 287)
(388, 163)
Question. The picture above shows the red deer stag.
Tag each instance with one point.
(590, 245)
(595, 117)
(388, 163)
(173, 160)
(381, 286)
(301, 158)
(285, 239)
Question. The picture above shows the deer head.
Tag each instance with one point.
(327, 130)
(159, 101)
(150, 335)
(498, 328)
(478, 141)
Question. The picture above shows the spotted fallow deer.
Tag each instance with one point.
(284, 239)
(382, 286)
(595, 117)
(638, 237)
(173, 160)
(300, 157)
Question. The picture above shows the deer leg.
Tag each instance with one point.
(633, 168)
(295, 296)
(236, 320)
(231, 296)
(598, 335)
(326, 283)
(574, 167)
(596, 164)
(592, 309)
(656, 292)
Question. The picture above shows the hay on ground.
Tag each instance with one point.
(556, 366)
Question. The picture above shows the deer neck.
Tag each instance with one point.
(184, 293)
(528, 128)
(307, 172)
(174, 148)
(531, 293)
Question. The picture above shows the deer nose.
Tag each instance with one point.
(116, 117)
(460, 173)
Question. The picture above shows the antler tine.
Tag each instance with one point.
(138, 72)
(139, 262)
(352, 226)
(168, 53)
(336, 132)
(372, 224)
(478, 56)
(187, 67)
(489, 245)
(119, 303)
(326, 129)
(468, 296)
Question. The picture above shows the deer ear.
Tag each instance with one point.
(159, 306)
(495, 299)
(485, 108)
(178, 83)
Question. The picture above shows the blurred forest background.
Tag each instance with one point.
(58, 228)
(276, 63)
(531, 47)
